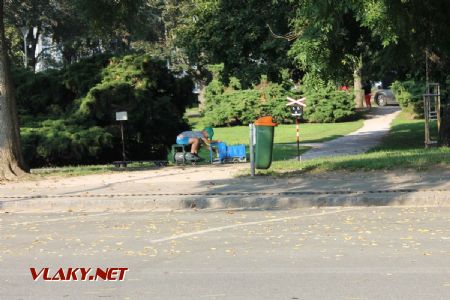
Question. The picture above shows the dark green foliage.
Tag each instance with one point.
(333, 41)
(237, 34)
(154, 99)
(79, 78)
(329, 105)
(409, 95)
(41, 93)
(325, 103)
(54, 142)
(53, 92)
(68, 116)
(231, 106)
(273, 102)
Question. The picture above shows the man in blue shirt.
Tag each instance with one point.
(195, 138)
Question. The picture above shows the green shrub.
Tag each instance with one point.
(38, 94)
(329, 105)
(231, 105)
(79, 78)
(325, 102)
(154, 99)
(409, 95)
(55, 142)
(68, 116)
(274, 102)
(52, 93)
(239, 107)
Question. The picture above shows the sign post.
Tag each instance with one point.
(297, 111)
(122, 116)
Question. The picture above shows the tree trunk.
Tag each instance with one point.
(357, 84)
(11, 160)
(34, 42)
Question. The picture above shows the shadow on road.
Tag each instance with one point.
(334, 189)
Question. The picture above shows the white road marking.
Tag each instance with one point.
(184, 235)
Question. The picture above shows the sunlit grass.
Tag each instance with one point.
(403, 148)
(286, 134)
(416, 159)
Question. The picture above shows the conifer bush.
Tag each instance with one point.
(68, 115)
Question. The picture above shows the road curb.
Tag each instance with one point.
(95, 203)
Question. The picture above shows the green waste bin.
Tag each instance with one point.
(265, 128)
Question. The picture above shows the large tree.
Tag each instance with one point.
(334, 40)
(109, 21)
(416, 43)
(82, 28)
(11, 160)
(36, 17)
(239, 34)
(411, 28)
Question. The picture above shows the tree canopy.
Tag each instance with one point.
(237, 34)
(290, 46)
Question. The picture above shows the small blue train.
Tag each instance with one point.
(233, 153)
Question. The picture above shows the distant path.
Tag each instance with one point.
(360, 141)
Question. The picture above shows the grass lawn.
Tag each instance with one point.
(284, 134)
(193, 117)
(402, 148)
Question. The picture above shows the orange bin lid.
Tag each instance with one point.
(265, 121)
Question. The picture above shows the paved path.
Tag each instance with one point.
(218, 187)
(360, 141)
(344, 253)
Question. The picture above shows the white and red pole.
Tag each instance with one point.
(297, 106)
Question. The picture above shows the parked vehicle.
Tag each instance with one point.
(382, 96)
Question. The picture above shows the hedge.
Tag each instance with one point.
(229, 105)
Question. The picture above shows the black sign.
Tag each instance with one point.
(297, 111)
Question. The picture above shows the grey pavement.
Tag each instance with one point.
(325, 253)
(367, 137)
(217, 187)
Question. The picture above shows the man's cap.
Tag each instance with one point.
(209, 131)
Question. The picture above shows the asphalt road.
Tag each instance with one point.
(340, 253)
